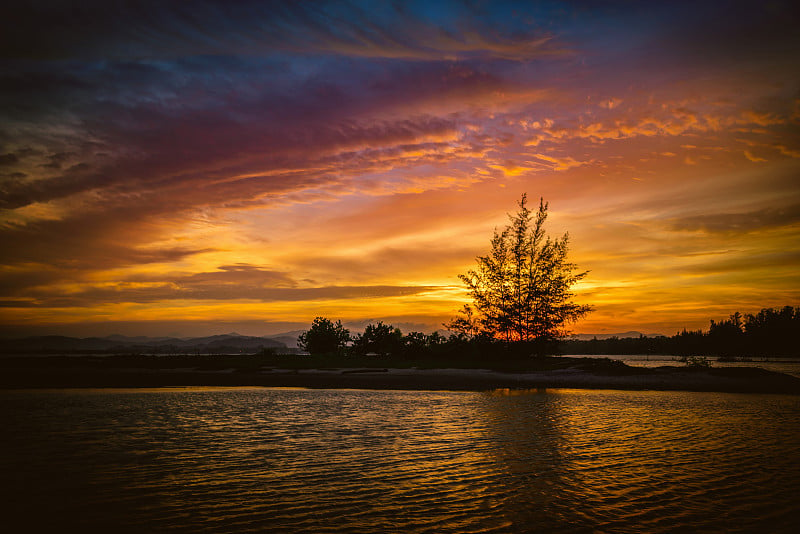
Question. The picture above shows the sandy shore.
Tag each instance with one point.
(744, 380)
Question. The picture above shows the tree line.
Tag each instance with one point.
(331, 338)
(770, 332)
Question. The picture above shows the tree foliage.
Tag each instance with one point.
(521, 290)
(379, 339)
(324, 337)
(769, 333)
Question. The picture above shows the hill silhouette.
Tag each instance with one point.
(117, 344)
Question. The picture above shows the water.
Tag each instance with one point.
(294, 460)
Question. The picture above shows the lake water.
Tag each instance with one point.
(294, 460)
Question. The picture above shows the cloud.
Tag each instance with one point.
(8, 159)
(137, 143)
(560, 164)
(611, 103)
(187, 292)
(155, 29)
(45, 287)
(240, 161)
(16, 303)
(147, 153)
(778, 265)
(90, 241)
(366, 145)
(755, 159)
(240, 272)
(741, 222)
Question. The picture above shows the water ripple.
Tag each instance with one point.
(282, 460)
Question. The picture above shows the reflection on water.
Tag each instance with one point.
(283, 460)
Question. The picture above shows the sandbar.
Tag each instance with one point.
(728, 379)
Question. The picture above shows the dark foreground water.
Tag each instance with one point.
(236, 460)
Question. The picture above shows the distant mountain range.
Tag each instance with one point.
(290, 338)
(218, 344)
(589, 337)
(224, 343)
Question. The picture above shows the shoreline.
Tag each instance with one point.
(723, 380)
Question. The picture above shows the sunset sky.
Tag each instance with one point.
(194, 168)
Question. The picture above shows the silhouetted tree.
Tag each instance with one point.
(435, 340)
(378, 338)
(414, 342)
(324, 337)
(725, 338)
(773, 331)
(521, 289)
(689, 343)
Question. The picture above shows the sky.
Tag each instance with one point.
(196, 168)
